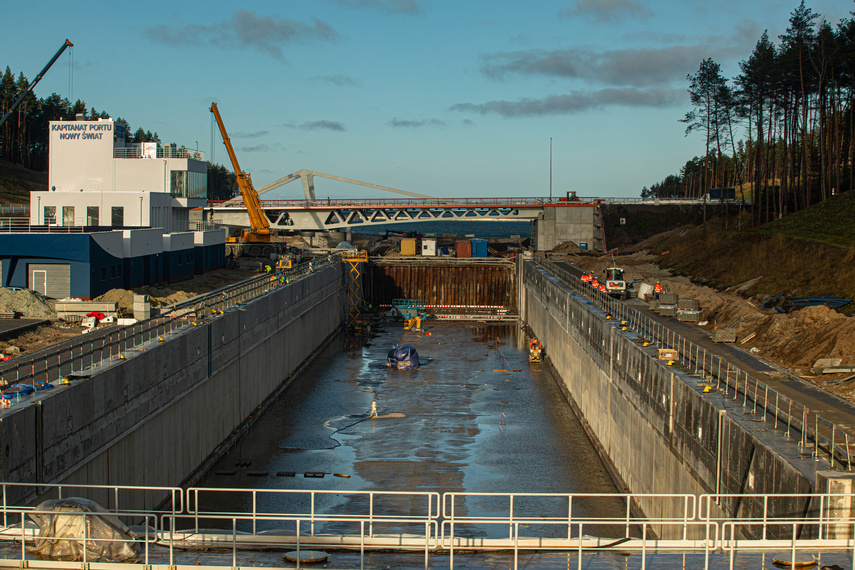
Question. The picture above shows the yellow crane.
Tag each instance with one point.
(259, 230)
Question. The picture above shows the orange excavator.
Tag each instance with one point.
(259, 230)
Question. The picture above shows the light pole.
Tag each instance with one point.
(550, 168)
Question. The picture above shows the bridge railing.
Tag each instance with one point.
(36, 370)
(447, 203)
(825, 439)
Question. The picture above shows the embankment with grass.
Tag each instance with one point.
(810, 253)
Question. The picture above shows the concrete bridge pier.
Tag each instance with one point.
(576, 222)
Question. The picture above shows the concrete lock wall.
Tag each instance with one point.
(155, 417)
(655, 431)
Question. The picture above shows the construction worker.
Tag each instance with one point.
(602, 287)
(657, 289)
(595, 283)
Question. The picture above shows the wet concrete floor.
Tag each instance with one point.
(476, 416)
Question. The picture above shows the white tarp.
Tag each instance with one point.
(66, 524)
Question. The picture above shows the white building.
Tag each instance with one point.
(97, 179)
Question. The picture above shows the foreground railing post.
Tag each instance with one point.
(362, 544)
(234, 542)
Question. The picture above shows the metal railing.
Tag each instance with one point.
(14, 208)
(63, 360)
(136, 150)
(829, 441)
(534, 509)
(116, 498)
(413, 523)
(445, 203)
(23, 226)
(374, 507)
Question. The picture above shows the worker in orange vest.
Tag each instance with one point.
(602, 287)
(657, 289)
(595, 282)
(584, 278)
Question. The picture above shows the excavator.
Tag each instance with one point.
(248, 240)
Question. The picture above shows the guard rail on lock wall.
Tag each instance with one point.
(830, 442)
(58, 362)
(427, 525)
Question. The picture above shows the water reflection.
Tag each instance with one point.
(478, 419)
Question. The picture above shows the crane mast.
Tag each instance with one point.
(258, 222)
(38, 78)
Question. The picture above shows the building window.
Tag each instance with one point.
(103, 274)
(198, 185)
(50, 215)
(68, 215)
(91, 215)
(118, 216)
(178, 183)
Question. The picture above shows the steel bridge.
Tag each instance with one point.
(311, 213)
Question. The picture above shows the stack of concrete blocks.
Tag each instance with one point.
(142, 307)
(668, 304)
(724, 335)
(689, 310)
(76, 311)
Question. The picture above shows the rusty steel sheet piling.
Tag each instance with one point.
(439, 283)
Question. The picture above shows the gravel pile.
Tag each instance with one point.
(25, 302)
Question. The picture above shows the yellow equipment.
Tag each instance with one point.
(283, 263)
(259, 230)
(414, 324)
(534, 350)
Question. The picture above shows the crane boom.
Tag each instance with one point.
(257, 218)
(38, 78)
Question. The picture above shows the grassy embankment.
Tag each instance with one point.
(809, 253)
(16, 182)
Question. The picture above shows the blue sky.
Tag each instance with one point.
(449, 98)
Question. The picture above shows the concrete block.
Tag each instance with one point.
(668, 298)
(840, 502)
(668, 310)
(689, 316)
(724, 335)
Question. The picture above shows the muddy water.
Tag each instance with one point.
(476, 417)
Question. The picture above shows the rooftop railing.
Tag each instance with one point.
(136, 151)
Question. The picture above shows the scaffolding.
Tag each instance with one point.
(354, 258)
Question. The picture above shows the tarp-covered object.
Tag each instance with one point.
(404, 357)
(63, 528)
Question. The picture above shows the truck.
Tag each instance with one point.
(255, 240)
(615, 283)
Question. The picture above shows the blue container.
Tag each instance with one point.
(479, 248)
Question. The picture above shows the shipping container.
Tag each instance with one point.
(408, 246)
(428, 247)
(463, 248)
(479, 248)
